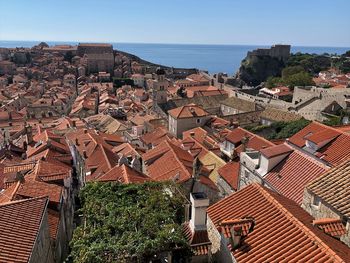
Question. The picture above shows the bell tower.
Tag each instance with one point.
(160, 85)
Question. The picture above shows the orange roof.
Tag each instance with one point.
(20, 223)
(167, 161)
(54, 221)
(123, 174)
(31, 188)
(289, 177)
(337, 148)
(277, 150)
(199, 240)
(283, 230)
(331, 226)
(299, 139)
(188, 111)
(155, 137)
(230, 173)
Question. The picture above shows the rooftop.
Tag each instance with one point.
(283, 230)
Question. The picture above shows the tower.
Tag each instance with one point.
(160, 85)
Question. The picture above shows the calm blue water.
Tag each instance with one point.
(214, 58)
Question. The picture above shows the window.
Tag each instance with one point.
(316, 202)
(246, 174)
(198, 120)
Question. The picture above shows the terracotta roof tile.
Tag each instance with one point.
(283, 230)
(123, 174)
(230, 173)
(20, 223)
(277, 150)
(289, 177)
(188, 111)
(332, 226)
(199, 240)
(167, 161)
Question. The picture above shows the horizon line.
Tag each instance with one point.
(157, 43)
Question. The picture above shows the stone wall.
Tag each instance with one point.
(42, 251)
(219, 249)
(323, 210)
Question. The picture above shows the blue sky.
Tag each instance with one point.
(297, 22)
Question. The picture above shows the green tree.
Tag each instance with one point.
(273, 82)
(288, 71)
(129, 222)
(299, 79)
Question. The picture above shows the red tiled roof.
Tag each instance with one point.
(235, 136)
(254, 141)
(292, 174)
(188, 111)
(31, 188)
(334, 152)
(283, 230)
(155, 137)
(227, 224)
(123, 174)
(299, 139)
(166, 161)
(20, 223)
(199, 240)
(54, 221)
(323, 135)
(277, 150)
(230, 173)
(332, 226)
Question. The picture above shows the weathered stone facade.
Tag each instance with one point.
(219, 249)
(318, 208)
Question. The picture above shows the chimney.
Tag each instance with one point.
(236, 234)
(196, 168)
(29, 133)
(244, 142)
(76, 142)
(84, 154)
(85, 131)
(122, 160)
(74, 124)
(199, 205)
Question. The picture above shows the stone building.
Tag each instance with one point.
(98, 57)
(25, 235)
(186, 117)
(159, 87)
(326, 199)
(281, 52)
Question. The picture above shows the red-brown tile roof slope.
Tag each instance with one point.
(166, 161)
(230, 173)
(188, 111)
(331, 226)
(123, 174)
(283, 230)
(20, 222)
(292, 174)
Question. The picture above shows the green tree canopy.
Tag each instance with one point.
(128, 221)
(288, 71)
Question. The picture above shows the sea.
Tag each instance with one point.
(212, 58)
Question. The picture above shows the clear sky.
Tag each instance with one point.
(296, 22)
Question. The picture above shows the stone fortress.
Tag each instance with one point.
(281, 52)
(99, 57)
